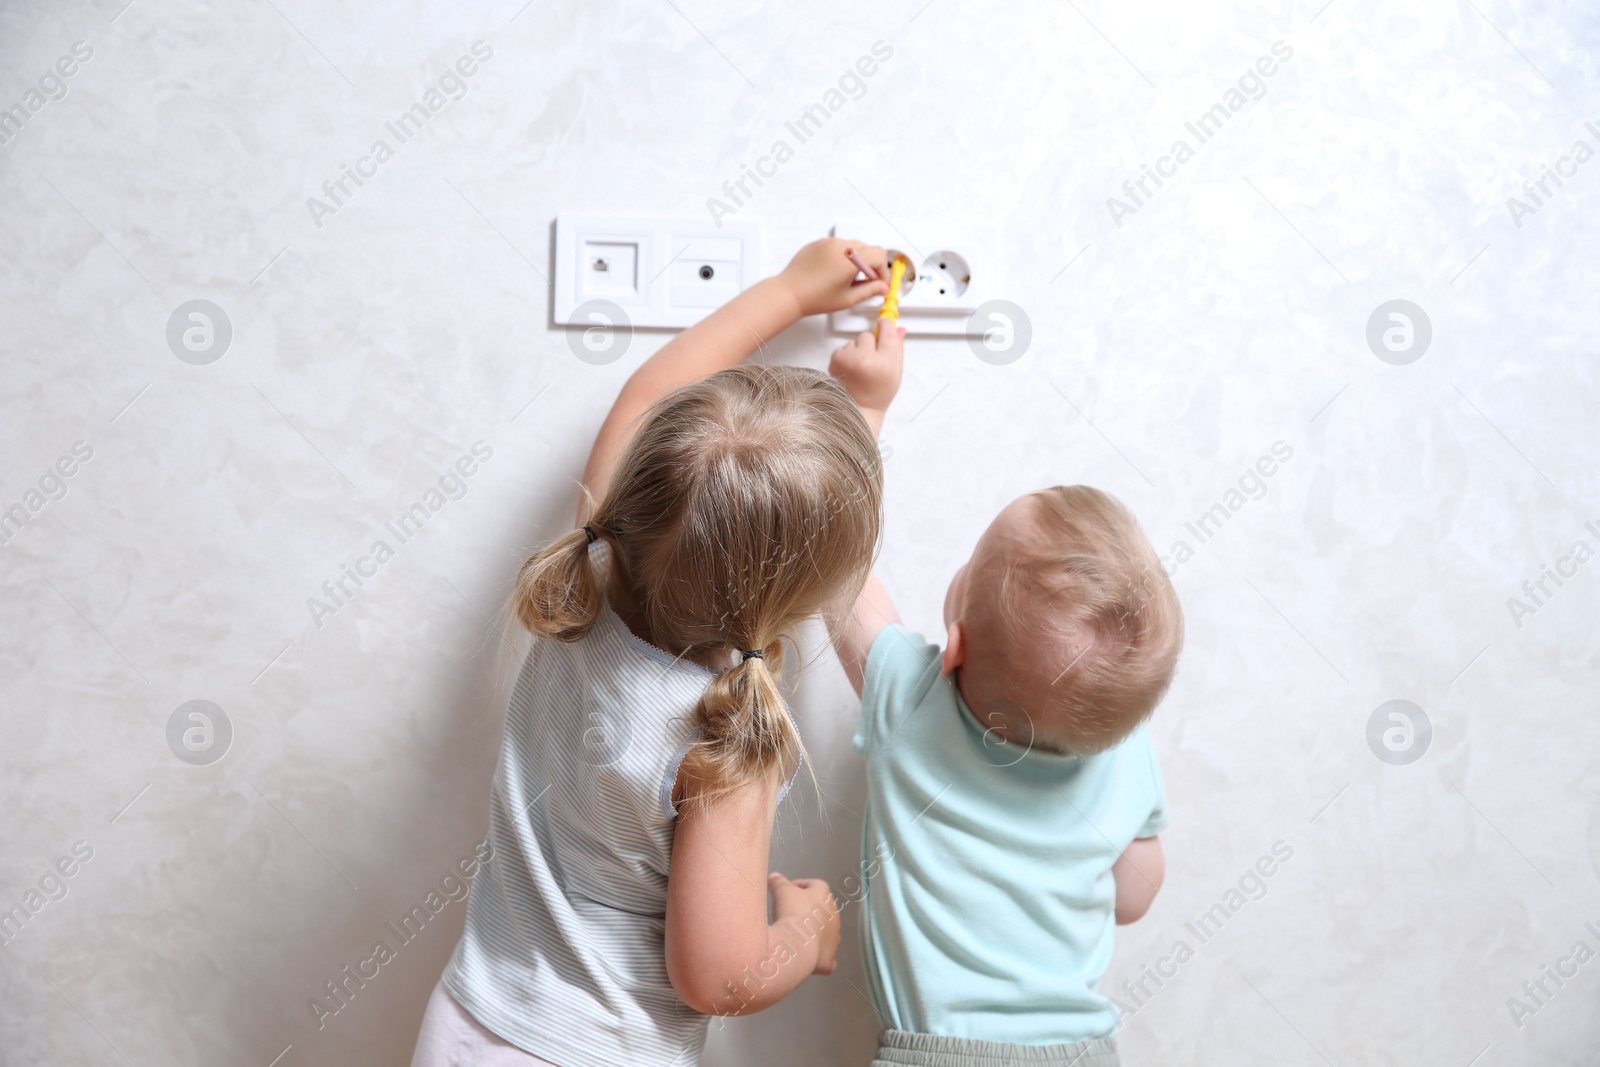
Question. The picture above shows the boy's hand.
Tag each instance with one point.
(809, 902)
(869, 368)
(821, 277)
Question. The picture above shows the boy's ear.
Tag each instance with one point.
(955, 649)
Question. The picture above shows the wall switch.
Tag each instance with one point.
(662, 272)
(953, 270)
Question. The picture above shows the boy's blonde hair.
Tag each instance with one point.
(1075, 626)
(747, 502)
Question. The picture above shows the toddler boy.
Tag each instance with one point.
(1013, 798)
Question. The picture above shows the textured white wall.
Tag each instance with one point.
(370, 352)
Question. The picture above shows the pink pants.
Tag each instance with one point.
(452, 1038)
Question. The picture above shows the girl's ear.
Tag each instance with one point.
(955, 649)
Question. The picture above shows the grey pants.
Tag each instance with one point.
(896, 1048)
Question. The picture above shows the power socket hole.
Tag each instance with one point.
(947, 272)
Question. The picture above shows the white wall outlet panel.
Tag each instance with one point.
(662, 272)
(953, 270)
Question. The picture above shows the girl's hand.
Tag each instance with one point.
(821, 277)
(815, 914)
(869, 369)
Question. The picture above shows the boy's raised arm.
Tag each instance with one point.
(869, 368)
(855, 632)
(819, 279)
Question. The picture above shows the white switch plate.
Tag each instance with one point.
(661, 272)
(953, 270)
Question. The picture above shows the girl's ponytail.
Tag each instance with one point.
(558, 594)
(744, 728)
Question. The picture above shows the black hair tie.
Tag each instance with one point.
(589, 532)
(752, 653)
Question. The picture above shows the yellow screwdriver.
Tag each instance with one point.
(891, 299)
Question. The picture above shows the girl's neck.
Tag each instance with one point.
(626, 605)
(629, 609)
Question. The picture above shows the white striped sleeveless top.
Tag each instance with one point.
(563, 954)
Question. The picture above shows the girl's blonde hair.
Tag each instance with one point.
(747, 502)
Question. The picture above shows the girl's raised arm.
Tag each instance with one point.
(820, 278)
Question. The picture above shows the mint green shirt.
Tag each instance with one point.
(989, 905)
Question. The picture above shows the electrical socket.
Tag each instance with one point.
(662, 272)
(954, 271)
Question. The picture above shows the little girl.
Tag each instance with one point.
(624, 897)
